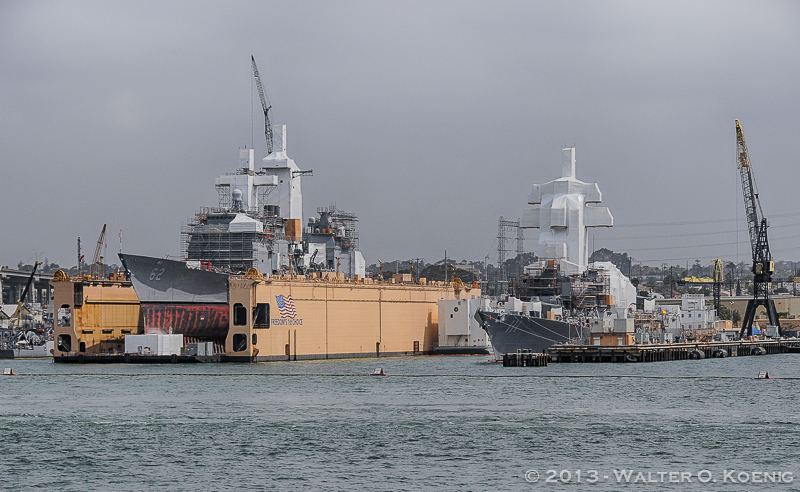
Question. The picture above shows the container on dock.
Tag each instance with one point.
(154, 344)
(623, 325)
(600, 325)
(200, 348)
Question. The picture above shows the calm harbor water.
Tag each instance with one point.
(434, 423)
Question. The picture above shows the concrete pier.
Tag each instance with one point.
(667, 352)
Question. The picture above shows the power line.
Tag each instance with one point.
(689, 234)
(697, 222)
(716, 255)
(708, 245)
(492, 249)
(620, 238)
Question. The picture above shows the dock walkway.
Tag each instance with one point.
(668, 352)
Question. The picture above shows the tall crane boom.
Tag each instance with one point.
(757, 224)
(752, 205)
(96, 260)
(15, 316)
(264, 106)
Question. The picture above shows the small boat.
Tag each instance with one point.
(378, 372)
(8, 372)
(763, 375)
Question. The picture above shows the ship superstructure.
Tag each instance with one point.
(563, 210)
(258, 223)
(258, 226)
(331, 243)
(556, 297)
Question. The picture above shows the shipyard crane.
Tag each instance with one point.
(267, 124)
(718, 279)
(97, 258)
(15, 316)
(757, 224)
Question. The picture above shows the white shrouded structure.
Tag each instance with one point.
(562, 212)
(278, 182)
(289, 196)
(251, 226)
(619, 286)
(243, 223)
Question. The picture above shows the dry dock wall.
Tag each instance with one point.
(332, 319)
(93, 316)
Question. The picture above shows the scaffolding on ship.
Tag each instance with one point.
(342, 221)
(206, 237)
(584, 293)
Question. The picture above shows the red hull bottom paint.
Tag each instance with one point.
(196, 320)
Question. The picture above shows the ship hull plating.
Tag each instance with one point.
(180, 300)
(194, 320)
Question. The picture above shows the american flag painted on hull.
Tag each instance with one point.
(286, 306)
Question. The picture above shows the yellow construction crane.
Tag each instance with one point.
(717, 277)
(15, 316)
(757, 224)
(264, 105)
(97, 261)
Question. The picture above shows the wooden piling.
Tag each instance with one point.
(524, 358)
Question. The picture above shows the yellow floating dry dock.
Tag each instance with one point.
(280, 319)
(92, 316)
(277, 318)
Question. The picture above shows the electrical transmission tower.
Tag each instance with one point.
(503, 227)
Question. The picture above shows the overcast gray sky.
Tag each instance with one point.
(429, 120)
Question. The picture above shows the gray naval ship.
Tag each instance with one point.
(545, 308)
(510, 331)
(555, 298)
(258, 224)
